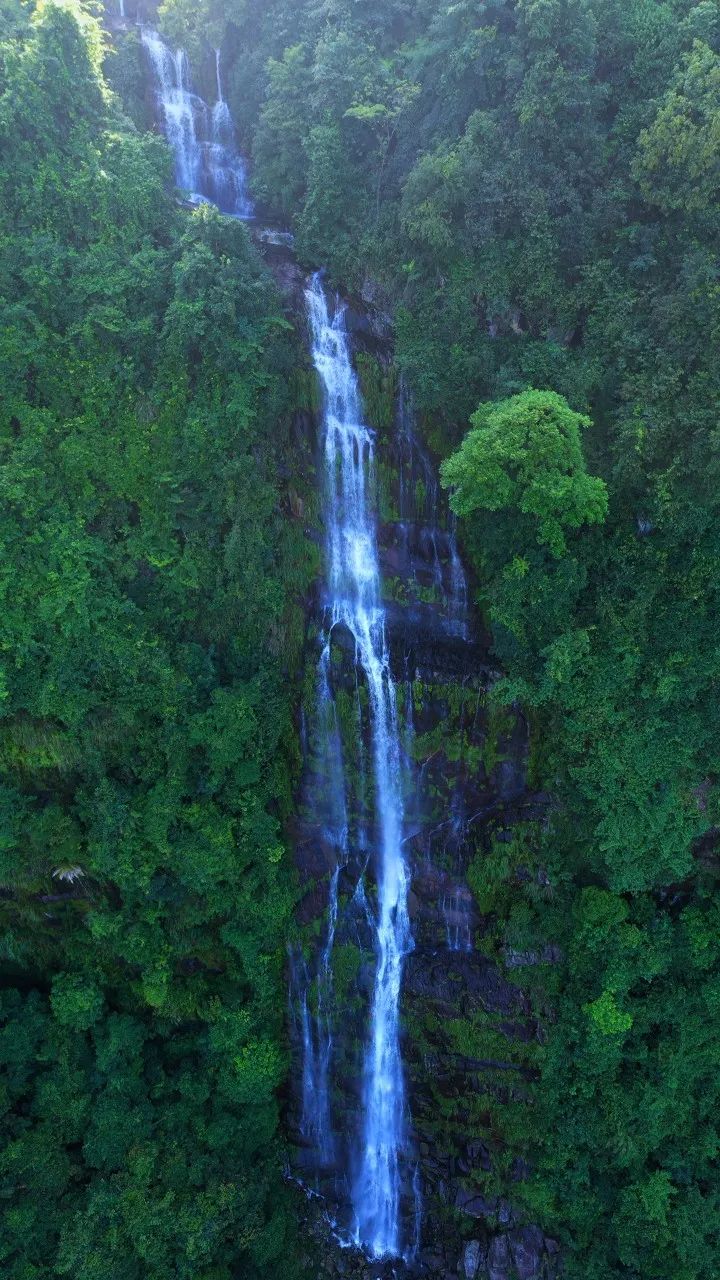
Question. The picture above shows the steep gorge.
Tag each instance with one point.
(463, 788)
(409, 774)
(358, 874)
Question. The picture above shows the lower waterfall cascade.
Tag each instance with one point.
(365, 807)
(354, 603)
(382, 824)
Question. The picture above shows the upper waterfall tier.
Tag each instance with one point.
(208, 165)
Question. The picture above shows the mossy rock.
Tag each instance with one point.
(378, 389)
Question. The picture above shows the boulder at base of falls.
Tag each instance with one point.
(471, 1259)
(475, 1205)
(520, 1254)
(527, 1245)
(499, 1265)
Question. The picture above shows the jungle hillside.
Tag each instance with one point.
(524, 196)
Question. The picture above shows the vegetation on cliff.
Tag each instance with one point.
(533, 187)
(149, 638)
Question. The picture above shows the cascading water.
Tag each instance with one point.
(418, 496)
(207, 164)
(218, 79)
(354, 603)
(369, 807)
(316, 1122)
(401, 764)
(458, 922)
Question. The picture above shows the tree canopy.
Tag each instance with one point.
(524, 457)
(149, 640)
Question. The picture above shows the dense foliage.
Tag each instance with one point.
(148, 641)
(533, 186)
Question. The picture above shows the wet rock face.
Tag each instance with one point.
(461, 981)
(520, 1254)
(465, 787)
(472, 1259)
(368, 322)
(290, 277)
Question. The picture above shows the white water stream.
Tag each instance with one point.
(208, 165)
(354, 602)
(382, 1174)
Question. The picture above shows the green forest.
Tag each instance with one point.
(530, 191)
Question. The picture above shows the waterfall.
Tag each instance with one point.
(208, 166)
(218, 81)
(354, 603)
(458, 593)
(455, 909)
(317, 1041)
(419, 499)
